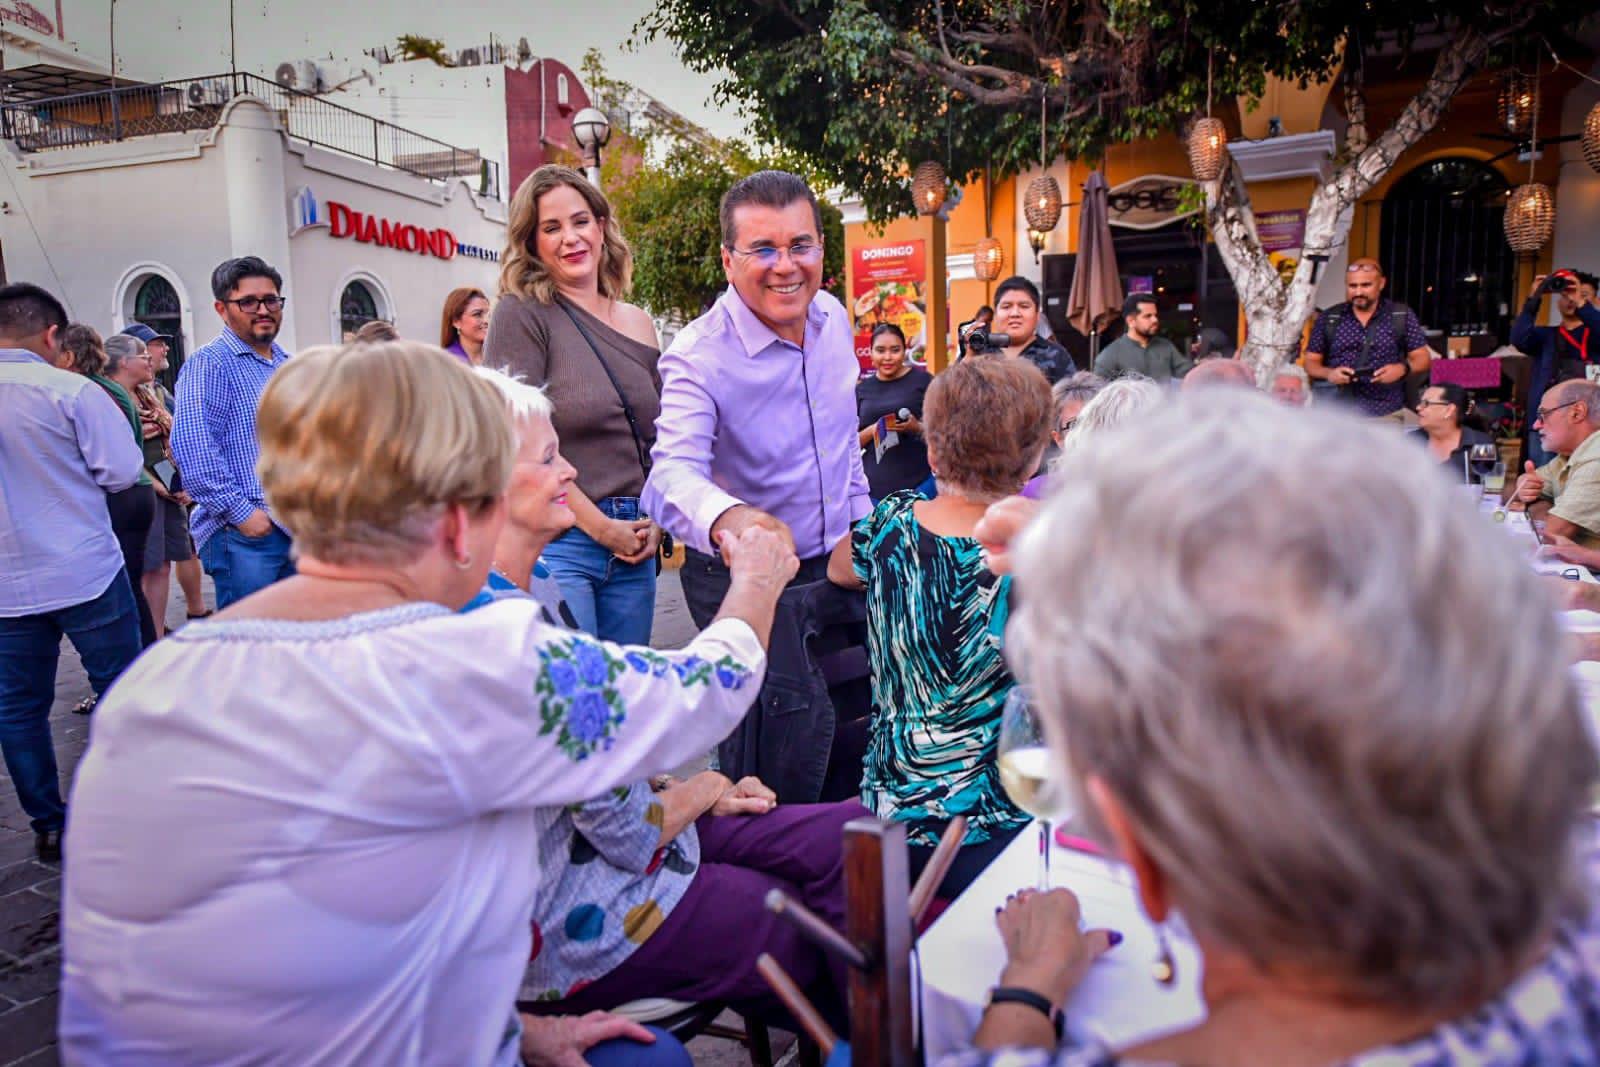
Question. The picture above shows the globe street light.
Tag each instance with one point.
(592, 129)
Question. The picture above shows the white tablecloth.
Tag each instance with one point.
(962, 955)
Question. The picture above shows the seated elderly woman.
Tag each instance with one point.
(306, 830)
(1110, 405)
(936, 616)
(1367, 805)
(664, 894)
(1069, 396)
(1439, 428)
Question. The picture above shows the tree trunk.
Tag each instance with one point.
(1275, 312)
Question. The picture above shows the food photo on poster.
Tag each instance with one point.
(888, 284)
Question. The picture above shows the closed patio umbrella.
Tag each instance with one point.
(1096, 295)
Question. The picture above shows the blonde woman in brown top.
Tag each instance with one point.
(561, 323)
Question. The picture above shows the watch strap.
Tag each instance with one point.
(1017, 995)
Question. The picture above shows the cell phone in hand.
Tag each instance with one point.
(1540, 532)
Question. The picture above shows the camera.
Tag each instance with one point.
(983, 341)
(1557, 284)
(1363, 375)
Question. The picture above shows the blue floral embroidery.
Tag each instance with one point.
(592, 663)
(580, 705)
(586, 719)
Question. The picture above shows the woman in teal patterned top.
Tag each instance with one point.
(937, 615)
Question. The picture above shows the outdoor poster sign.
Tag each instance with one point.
(1282, 234)
(888, 284)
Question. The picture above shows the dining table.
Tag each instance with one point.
(1119, 1002)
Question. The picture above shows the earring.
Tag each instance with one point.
(1165, 969)
(464, 564)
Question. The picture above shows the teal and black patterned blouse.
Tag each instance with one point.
(935, 618)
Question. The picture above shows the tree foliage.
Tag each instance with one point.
(416, 46)
(666, 187)
(869, 88)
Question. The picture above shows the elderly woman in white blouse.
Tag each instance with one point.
(304, 832)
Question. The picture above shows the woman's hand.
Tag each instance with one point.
(999, 527)
(561, 1040)
(747, 796)
(911, 425)
(760, 557)
(650, 541)
(621, 537)
(1045, 952)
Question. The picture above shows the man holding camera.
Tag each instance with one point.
(1559, 353)
(1368, 345)
(1016, 314)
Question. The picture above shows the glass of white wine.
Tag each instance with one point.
(1028, 771)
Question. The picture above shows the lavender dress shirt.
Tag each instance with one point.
(749, 418)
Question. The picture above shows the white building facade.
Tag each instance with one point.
(131, 230)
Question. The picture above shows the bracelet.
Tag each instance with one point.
(1005, 994)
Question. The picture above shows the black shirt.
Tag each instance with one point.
(905, 466)
(1455, 464)
(1050, 358)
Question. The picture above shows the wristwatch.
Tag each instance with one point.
(1005, 994)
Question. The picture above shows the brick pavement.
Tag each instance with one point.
(30, 892)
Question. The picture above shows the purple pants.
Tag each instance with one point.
(706, 949)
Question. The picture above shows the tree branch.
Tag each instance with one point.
(1455, 64)
(1020, 89)
(1355, 100)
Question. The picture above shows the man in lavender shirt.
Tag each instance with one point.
(758, 410)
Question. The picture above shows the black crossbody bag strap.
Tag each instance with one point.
(627, 408)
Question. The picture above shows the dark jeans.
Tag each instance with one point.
(105, 631)
(240, 565)
(133, 510)
(706, 579)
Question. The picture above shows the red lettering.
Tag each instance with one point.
(446, 244)
(410, 237)
(390, 237)
(369, 229)
(338, 220)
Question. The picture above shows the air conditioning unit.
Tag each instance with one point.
(286, 75)
(299, 75)
(329, 75)
(212, 93)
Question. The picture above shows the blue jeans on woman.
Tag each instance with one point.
(612, 600)
(105, 631)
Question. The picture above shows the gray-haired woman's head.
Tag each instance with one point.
(1112, 405)
(120, 348)
(1331, 701)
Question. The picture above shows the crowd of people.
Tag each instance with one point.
(409, 795)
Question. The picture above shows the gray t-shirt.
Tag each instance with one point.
(1160, 361)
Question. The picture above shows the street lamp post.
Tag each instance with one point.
(592, 130)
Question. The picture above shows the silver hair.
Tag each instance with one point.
(1116, 403)
(527, 402)
(1298, 373)
(1579, 391)
(120, 347)
(1293, 673)
(1081, 386)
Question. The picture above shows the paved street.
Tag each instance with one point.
(30, 892)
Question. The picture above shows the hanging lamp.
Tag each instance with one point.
(1208, 140)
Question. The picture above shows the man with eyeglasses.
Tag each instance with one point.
(1566, 491)
(214, 432)
(758, 413)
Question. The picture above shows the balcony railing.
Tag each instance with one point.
(196, 104)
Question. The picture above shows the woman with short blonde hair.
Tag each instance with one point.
(561, 323)
(351, 763)
(1367, 803)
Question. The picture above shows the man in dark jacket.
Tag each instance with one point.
(1561, 352)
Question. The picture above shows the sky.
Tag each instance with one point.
(166, 39)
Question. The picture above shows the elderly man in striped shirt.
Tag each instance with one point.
(214, 433)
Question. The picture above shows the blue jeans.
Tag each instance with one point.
(612, 600)
(240, 565)
(105, 631)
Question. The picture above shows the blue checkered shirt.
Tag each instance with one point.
(214, 431)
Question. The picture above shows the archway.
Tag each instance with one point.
(1442, 244)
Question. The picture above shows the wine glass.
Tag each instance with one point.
(1028, 771)
(1481, 459)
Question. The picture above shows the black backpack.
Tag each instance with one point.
(1331, 318)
